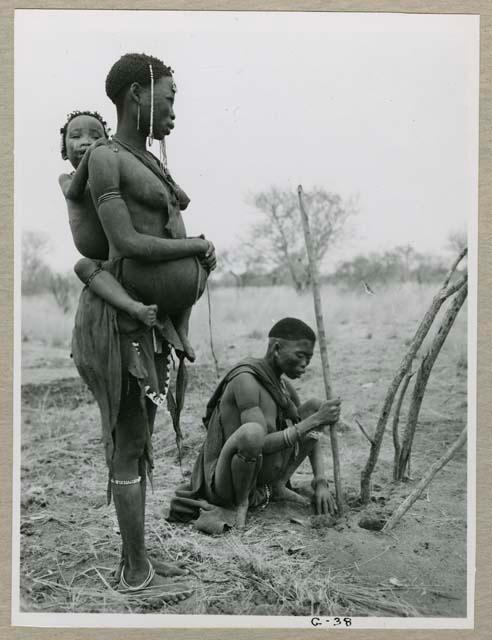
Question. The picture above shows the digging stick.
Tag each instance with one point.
(313, 269)
(437, 466)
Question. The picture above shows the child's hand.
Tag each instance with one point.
(98, 143)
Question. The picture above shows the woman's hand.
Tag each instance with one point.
(208, 259)
(329, 412)
(324, 503)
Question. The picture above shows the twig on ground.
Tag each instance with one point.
(423, 484)
(103, 580)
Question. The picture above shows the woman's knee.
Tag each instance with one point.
(128, 452)
(309, 407)
(251, 439)
(275, 464)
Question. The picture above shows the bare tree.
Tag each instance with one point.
(64, 287)
(36, 274)
(238, 262)
(277, 240)
(457, 240)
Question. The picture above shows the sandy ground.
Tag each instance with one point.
(287, 561)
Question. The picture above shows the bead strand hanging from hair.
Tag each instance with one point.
(151, 126)
(163, 154)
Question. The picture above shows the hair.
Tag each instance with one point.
(70, 117)
(133, 67)
(292, 329)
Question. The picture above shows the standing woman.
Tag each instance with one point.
(139, 206)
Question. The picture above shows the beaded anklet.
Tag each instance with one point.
(125, 482)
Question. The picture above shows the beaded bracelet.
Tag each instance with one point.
(97, 270)
(315, 482)
(291, 435)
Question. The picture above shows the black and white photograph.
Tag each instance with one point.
(245, 319)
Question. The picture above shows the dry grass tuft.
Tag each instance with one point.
(63, 487)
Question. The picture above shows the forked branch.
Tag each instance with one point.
(444, 292)
(423, 377)
(396, 422)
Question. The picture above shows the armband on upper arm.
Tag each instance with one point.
(112, 194)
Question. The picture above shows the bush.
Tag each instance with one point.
(64, 287)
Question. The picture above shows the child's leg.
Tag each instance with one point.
(103, 284)
(181, 322)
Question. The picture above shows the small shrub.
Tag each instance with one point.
(256, 334)
(462, 362)
(58, 343)
(61, 288)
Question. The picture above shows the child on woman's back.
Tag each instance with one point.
(83, 132)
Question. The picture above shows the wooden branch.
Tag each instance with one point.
(396, 421)
(211, 333)
(453, 288)
(285, 246)
(421, 333)
(455, 264)
(423, 377)
(363, 430)
(437, 466)
(313, 266)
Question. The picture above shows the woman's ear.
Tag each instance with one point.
(135, 92)
(276, 347)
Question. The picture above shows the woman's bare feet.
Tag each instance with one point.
(169, 569)
(241, 513)
(146, 314)
(165, 569)
(281, 493)
(157, 588)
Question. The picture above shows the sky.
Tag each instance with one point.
(378, 107)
